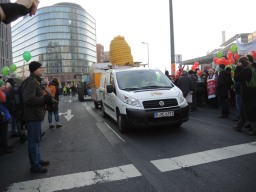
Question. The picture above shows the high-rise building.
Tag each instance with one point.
(62, 37)
(100, 53)
(5, 43)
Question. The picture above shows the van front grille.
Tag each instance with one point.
(156, 103)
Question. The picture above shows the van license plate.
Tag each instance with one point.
(164, 114)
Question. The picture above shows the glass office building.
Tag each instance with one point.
(62, 37)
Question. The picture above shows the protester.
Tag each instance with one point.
(194, 80)
(7, 87)
(243, 74)
(185, 83)
(230, 83)
(250, 57)
(65, 91)
(4, 118)
(54, 107)
(211, 89)
(238, 100)
(73, 89)
(33, 114)
(9, 12)
(167, 74)
(222, 90)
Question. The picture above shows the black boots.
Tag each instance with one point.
(240, 124)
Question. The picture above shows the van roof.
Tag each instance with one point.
(131, 69)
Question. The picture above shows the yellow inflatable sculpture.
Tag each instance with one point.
(120, 52)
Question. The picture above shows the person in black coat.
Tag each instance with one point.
(185, 83)
(222, 88)
(54, 107)
(194, 80)
(238, 100)
(243, 74)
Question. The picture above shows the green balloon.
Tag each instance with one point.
(234, 48)
(219, 54)
(27, 55)
(5, 70)
(16, 74)
(13, 67)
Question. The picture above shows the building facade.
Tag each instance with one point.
(251, 37)
(106, 57)
(62, 37)
(5, 43)
(100, 53)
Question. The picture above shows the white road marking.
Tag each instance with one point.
(114, 132)
(84, 104)
(68, 115)
(170, 164)
(71, 181)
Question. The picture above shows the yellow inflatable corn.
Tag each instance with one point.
(120, 52)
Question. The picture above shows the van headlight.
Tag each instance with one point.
(181, 97)
(132, 101)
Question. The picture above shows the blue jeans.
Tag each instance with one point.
(56, 115)
(34, 137)
(238, 104)
(14, 125)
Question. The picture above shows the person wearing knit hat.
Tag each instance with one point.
(222, 88)
(33, 114)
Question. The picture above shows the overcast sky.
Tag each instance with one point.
(198, 25)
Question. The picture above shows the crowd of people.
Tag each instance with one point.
(70, 90)
(223, 90)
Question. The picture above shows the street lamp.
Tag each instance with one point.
(148, 52)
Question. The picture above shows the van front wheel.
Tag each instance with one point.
(121, 126)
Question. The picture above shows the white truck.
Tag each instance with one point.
(95, 72)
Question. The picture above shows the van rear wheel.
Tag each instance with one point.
(121, 126)
(103, 113)
(96, 104)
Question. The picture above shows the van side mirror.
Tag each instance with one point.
(110, 89)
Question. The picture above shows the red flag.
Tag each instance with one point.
(180, 73)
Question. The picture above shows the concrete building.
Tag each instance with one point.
(106, 57)
(62, 37)
(5, 43)
(100, 53)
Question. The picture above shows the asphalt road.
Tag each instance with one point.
(89, 154)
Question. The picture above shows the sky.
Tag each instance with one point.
(198, 25)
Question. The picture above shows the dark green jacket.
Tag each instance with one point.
(33, 99)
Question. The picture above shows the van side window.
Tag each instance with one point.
(112, 79)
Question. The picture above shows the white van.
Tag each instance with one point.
(140, 97)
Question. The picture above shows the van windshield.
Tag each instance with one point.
(142, 79)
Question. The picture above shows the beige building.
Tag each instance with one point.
(251, 37)
(107, 56)
(100, 53)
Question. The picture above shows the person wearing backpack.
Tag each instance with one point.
(4, 118)
(54, 107)
(33, 114)
(246, 75)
